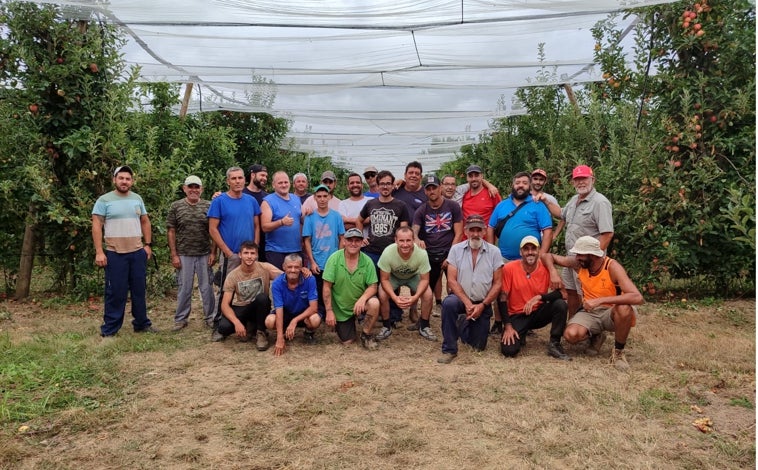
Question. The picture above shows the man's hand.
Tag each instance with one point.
(529, 306)
(474, 312)
(290, 332)
(510, 335)
(176, 261)
(101, 260)
(555, 280)
(360, 306)
(212, 259)
(331, 320)
(279, 347)
(589, 305)
(239, 329)
(403, 301)
(148, 251)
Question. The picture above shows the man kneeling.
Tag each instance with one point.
(529, 305)
(245, 303)
(295, 304)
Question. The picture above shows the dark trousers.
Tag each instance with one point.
(320, 290)
(125, 273)
(435, 261)
(251, 315)
(553, 313)
(455, 325)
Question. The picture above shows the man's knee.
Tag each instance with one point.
(372, 306)
(271, 321)
(575, 333)
(313, 322)
(622, 313)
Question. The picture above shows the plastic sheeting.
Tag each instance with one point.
(365, 82)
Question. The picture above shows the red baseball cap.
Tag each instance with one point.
(540, 171)
(582, 171)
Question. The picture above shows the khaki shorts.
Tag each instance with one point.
(411, 283)
(570, 280)
(599, 319)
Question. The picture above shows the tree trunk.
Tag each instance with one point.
(24, 280)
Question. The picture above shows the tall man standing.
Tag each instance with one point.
(257, 188)
(478, 199)
(588, 213)
(473, 279)
(437, 225)
(280, 220)
(121, 214)
(370, 175)
(538, 180)
(328, 179)
(300, 183)
(350, 208)
(192, 252)
(233, 217)
(411, 192)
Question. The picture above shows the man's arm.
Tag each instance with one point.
(257, 234)
(605, 240)
(147, 234)
(454, 287)
(419, 242)
(360, 304)
(309, 253)
(547, 240)
(423, 284)
(331, 320)
(458, 232)
(97, 238)
(267, 225)
(216, 236)
(550, 260)
(171, 237)
(559, 228)
(490, 237)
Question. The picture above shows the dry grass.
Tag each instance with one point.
(225, 405)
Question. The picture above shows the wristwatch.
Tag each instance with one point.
(150, 244)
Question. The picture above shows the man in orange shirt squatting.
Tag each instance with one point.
(609, 297)
(528, 304)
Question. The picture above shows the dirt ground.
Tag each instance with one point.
(227, 406)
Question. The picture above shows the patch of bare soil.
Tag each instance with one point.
(226, 405)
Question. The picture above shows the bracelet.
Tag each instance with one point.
(150, 244)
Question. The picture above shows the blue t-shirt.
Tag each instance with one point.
(294, 302)
(285, 239)
(236, 218)
(531, 219)
(325, 232)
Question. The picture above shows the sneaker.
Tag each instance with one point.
(149, 329)
(446, 358)
(596, 343)
(426, 333)
(383, 334)
(178, 326)
(412, 327)
(261, 342)
(618, 360)
(554, 349)
(497, 329)
(217, 336)
(309, 337)
(368, 342)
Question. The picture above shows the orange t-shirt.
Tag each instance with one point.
(521, 287)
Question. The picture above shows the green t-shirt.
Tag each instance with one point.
(347, 287)
(404, 269)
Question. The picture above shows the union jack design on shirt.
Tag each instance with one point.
(440, 222)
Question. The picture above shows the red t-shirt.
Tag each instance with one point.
(481, 204)
(521, 288)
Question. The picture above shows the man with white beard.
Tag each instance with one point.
(474, 281)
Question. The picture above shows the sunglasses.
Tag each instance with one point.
(370, 175)
(193, 186)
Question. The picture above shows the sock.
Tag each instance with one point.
(422, 323)
(438, 301)
(387, 324)
(620, 346)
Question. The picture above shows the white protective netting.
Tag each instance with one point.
(366, 82)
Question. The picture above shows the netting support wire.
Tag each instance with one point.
(415, 46)
(185, 100)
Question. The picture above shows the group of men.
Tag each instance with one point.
(346, 262)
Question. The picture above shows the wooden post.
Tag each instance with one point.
(185, 100)
(570, 95)
(26, 263)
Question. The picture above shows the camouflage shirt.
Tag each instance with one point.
(191, 225)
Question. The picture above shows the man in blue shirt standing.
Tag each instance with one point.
(294, 304)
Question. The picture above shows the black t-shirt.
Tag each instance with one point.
(384, 219)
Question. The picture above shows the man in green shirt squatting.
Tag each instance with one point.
(350, 286)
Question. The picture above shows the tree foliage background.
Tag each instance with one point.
(670, 133)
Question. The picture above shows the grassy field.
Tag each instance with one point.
(176, 400)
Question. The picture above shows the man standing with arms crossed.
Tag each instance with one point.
(121, 214)
(192, 252)
(588, 213)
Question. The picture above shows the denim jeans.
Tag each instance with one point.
(125, 274)
(455, 325)
(185, 278)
